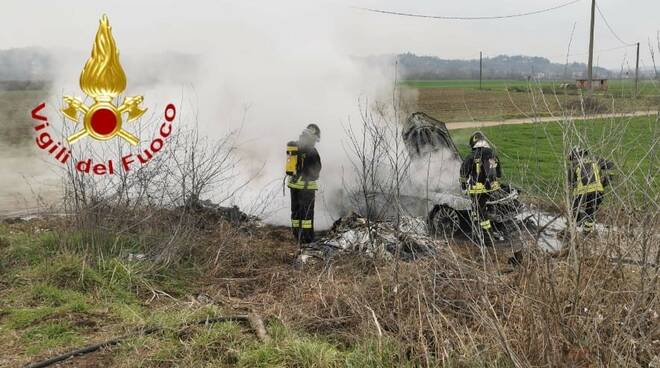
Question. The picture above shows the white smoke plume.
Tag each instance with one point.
(263, 70)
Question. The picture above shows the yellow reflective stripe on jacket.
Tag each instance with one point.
(301, 184)
(295, 223)
(596, 186)
(479, 188)
(485, 224)
(306, 224)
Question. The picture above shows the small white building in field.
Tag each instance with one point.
(599, 84)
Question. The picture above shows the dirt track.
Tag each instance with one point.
(488, 123)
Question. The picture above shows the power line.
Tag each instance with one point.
(469, 18)
(611, 29)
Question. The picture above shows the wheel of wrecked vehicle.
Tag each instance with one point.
(443, 221)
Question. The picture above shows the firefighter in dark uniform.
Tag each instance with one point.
(303, 185)
(588, 178)
(479, 176)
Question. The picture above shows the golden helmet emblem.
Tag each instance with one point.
(103, 79)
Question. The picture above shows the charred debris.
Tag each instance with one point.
(409, 226)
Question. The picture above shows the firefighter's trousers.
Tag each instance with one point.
(481, 223)
(585, 207)
(302, 215)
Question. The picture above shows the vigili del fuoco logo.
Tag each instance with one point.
(102, 79)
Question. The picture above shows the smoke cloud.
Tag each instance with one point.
(260, 71)
(268, 82)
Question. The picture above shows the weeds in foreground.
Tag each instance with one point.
(55, 298)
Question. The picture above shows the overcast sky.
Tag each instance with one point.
(193, 26)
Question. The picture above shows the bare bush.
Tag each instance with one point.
(160, 199)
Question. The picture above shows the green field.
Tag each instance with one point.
(533, 155)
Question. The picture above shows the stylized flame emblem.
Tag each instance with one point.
(103, 79)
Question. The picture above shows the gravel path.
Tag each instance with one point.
(489, 123)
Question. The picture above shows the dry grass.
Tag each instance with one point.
(461, 307)
(456, 104)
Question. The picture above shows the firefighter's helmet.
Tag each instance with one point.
(316, 131)
(476, 137)
(577, 153)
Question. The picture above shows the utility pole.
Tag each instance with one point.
(480, 68)
(637, 72)
(591, 50)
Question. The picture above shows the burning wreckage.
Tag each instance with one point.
(409, 225)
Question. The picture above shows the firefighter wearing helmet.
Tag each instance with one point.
(588, 178)
(303, 168)
(479, 176)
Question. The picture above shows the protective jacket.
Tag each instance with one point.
(480, 171)
(307, 170)
(587, 175)
(588, 178)
(303, 188)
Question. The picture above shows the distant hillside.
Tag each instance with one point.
(30, 67)
(25, 64)
(37, 64)
(499, 67)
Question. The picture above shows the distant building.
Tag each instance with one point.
(598, 83)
